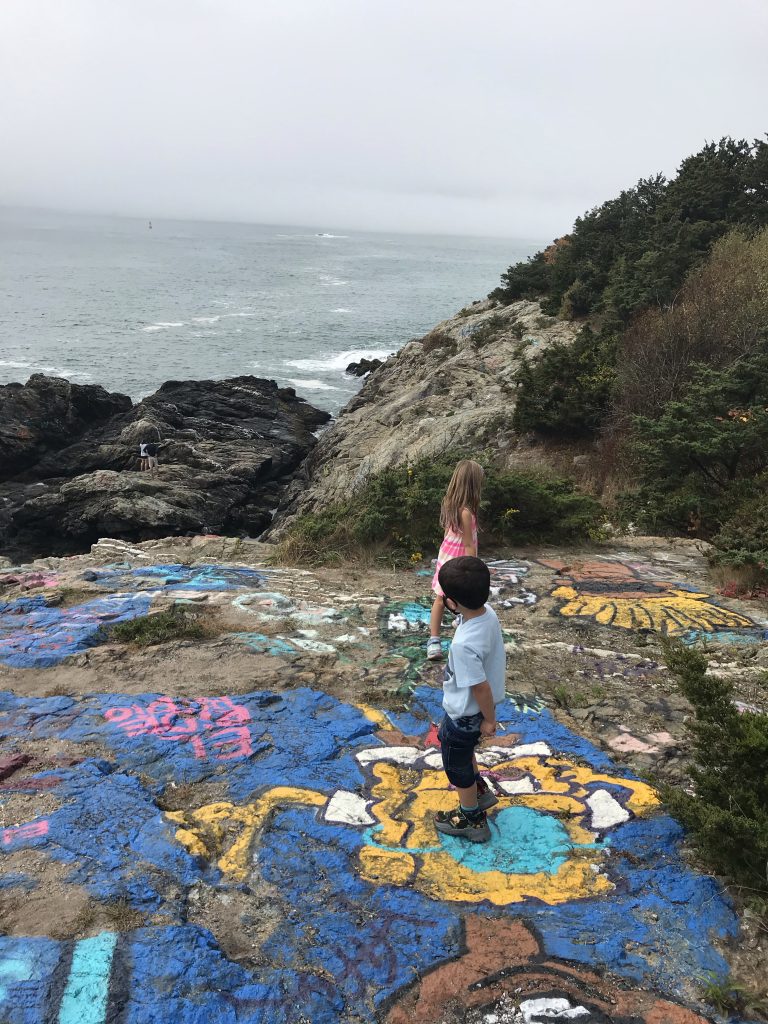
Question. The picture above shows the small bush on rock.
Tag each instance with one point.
(160, 628)
(727, 814)
(399, 510)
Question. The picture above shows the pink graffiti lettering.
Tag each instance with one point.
(213, 722)
(18, 833)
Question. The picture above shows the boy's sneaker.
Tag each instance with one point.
(434, 649)
(473, 827)
(485, 796)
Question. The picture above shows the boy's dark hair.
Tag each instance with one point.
(466, 580)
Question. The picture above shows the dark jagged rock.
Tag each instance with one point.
(226, 448)
(45, 415)
(364, 366)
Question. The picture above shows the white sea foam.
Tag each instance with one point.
(329, 281)
(324, 234)
(341, 360)
(341, 309)
(311, 385)
(51, 371)
(14, 364)
(162, 325)
(227, 316)
(206, 319)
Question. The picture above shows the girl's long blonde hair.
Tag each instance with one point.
(463, 492)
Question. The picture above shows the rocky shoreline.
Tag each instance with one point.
(70, 467)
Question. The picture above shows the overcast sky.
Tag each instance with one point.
(494, 117)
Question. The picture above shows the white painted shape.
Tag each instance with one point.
(397, 622)
(313, 646)
(434, 760)
(513, 786)
(347, 638)
(532, 1011)
(348, 809)
(401, 755)
(606, 811)
(493, 755)
(310, 634)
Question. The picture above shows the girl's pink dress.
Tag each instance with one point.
(452, 547)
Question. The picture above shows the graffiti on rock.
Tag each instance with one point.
(404, 628)
(331, 818)
(505, 973)
(507, 590)
(613, 594)
(35, 635)
(175, 577)
(548, 828)
(269, 606)
(18, 835)
(649, 743)
(212, 724)
(31, 580)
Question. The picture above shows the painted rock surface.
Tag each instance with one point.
(266, 853)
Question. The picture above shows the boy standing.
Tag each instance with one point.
(474, 684)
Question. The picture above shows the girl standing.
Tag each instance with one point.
(458, 517)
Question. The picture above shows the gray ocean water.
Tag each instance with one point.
(111, 301)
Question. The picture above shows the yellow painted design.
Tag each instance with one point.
(671, 612)
(404, 848)
(206, 831)
(374, 715)
(408, 850)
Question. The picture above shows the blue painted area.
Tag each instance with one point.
(16, 880)
(523, 841)
(344, 945)
(116, 840)
(26, 967)
(404, 934)
(34, 635)
(414, 613)
(262, 644)
(651, 879)
(85, 997)
(174, 576)
(726, 636)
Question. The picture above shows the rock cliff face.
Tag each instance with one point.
(39, 418)
(455, 386)
(226, 449)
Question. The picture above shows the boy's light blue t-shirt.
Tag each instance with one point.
(476, 654)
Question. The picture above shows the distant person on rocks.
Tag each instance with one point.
(458, 517)
(143, 460)
(152, 450)
(474, 683)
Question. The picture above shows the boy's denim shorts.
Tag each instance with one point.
(458, 740)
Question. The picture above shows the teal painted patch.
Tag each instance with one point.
(85, 997)
(523, 842)
(14, 968)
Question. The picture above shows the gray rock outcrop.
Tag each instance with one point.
(453, 388)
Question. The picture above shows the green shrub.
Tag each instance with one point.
(438, 339)
(567, 388)
(159, 628)
(703, 453)
(399, 511)
(488, 330)
(634, 251)
(743, 538)
(727, 815)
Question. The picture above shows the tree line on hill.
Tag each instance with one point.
(669, 373)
